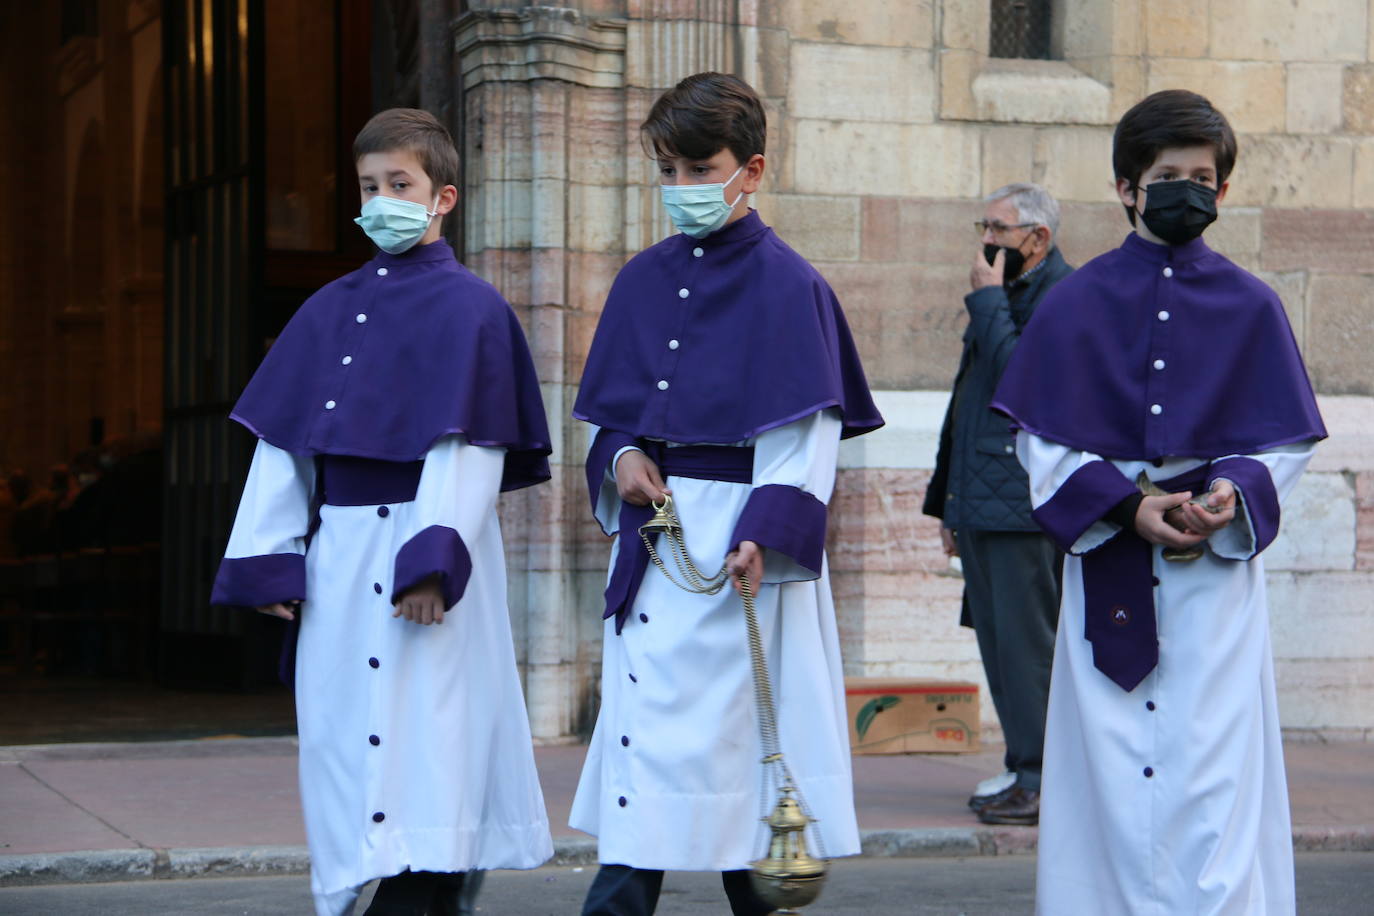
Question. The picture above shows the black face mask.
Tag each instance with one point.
(1178, 211)
(1013, 265)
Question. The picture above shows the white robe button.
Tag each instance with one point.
(328, 405)
(381, 271)
(1159, 364)
(672, 345)
(361, 319)
(1168, 271)
(1156, 409)
(697, 252)
(683, 293)
(1163, 316)
(346, 360)
(663, 384)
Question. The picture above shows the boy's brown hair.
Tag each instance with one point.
(702, 115)
(414, 130)
(1166, 120)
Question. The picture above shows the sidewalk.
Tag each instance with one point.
(102, 812)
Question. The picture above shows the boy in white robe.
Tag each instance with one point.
(722, 371)
(1164, 413)
(395, 406)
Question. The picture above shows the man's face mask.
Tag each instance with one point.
(699, 209)
(1014, 262)
(395, 225)
(1178, 211)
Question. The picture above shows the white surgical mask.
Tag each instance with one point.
(395, 225)
(699, 209)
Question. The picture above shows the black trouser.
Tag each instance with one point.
(619, 890)
(1011, 583)
(418, 893)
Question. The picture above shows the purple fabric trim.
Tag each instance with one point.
(1118, 598)
(431, 350)
(1119, 609)
(436, 549)
(350, 481)
(259, 581)
(599, 456)
(787, 520)
(702, 462)
(1256, 488)
(1088, 494)
(1083, 373)
(750, 314)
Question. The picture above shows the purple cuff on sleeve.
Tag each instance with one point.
(1088, 495)
(259, 581)
(787, 520)
(599, 456)
(1255, 488)
(436, 549)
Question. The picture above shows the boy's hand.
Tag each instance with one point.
(637, 479)
(422, 604)
(1221, 501)
(1151, 522)
(281, 609)
(948, 542)
(746, 559)
(984, 274)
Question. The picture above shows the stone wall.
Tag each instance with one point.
(888, 123)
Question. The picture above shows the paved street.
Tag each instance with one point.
(1328, 883)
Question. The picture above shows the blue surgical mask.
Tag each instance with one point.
(699, 209)
(395, 225)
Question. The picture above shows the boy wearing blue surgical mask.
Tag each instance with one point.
(395, 405)
(722, 372)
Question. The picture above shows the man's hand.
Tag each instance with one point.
(1222, 499)
(746, 560)
(984, 274)
(948, 542)
(282, 610)
(422, 604)
(1151, 524)
(637, 479)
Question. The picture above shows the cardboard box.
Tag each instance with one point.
(890, 716)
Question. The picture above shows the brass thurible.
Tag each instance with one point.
(788, 876)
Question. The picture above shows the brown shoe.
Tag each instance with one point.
(979, 802)
(1019, 806)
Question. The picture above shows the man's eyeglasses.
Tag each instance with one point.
(997, 227)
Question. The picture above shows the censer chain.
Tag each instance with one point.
(697, 582)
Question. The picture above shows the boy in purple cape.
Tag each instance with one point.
(722, 371)
(1164, 414)
(395, 406)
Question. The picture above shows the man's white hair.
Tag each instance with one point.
(1033, 204)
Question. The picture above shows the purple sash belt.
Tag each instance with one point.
(349, 481)
(732, 464)
(1118, 597)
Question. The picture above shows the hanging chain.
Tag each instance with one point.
(697, 582)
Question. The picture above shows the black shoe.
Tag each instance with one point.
(979, 802)
(1020, 807)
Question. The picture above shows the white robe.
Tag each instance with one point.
(1208, 831)
(453, 772)
(677, 737)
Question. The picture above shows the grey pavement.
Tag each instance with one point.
(229, 807)
(1328, 883)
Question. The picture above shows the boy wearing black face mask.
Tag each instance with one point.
(1163, 413)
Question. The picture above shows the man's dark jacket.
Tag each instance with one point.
(978, 483)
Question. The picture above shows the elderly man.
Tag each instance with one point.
(980, 492)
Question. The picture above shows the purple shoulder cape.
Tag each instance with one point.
(1150, 351)
(719, 339)
(391, 357)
